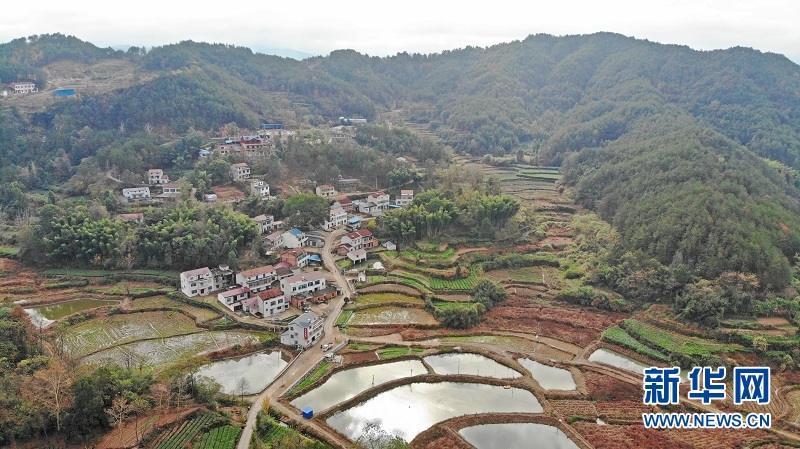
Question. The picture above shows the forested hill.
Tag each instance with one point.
(663, 141)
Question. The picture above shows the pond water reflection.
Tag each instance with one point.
(346, 384)
(504, 436)
(549, 377)
(408, 410)
(257, 370)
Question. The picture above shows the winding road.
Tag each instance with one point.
(305, 360)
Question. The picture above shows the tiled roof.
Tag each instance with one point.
(196, 272)
(253, 272)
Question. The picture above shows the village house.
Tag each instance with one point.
(336, 217)
(225, 149)
(353, 224)
(172, 189)
(223, 277)
(294, 238)
(304, 331)
(156, 176)
(357, 256)
(257, 279)
(210, 197)
(389, 245)
(240, 171)
(346, 204)
(23, 87)
(405, 198)
(273, 241)
(136, 193)
(136, 217)
(197, 282)
(233, 298)
(259, 188)
(303, 283)
(271, 302)
(252, 145)
(369, 208)
(381, 199)
(283, 272)
(326, 191)
(304, 288)
(296, 258)
(361, 239)
(267, 223)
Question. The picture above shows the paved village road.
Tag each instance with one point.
(306, 359)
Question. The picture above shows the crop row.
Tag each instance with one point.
(179, 436)
(224, 437)
(673, 343)
(458, 284)
(618, 336)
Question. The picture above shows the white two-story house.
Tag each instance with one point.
(272, 302)
(336, 217)
(233, 298)
(257, 279)
(303, 283)
(304, 331)
(197, 282)
(295, 238)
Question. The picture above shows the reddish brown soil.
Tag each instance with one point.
(126, 437)
(602, 387)
(360, 357)
(628, 437)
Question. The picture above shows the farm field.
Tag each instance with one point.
(391, 315)
(516, 343)
(224, 437)
(180, 435)
(163, 352)
(381, 298)
(105, 332)
(201, 313)
(673, 343)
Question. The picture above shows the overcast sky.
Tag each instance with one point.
(385, 28)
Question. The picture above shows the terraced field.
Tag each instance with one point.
(391, 315)
(105, 332)
(201, 313)
(167, 351)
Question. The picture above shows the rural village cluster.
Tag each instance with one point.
(298, 279)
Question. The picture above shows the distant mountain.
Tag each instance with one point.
(283, 52)
(663, 141)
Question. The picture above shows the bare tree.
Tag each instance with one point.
(52, 387)
(120, 409)
(139, 406)
(241, 387)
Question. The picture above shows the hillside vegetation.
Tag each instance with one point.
(691, 155)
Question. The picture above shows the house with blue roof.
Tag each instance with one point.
(295, 238)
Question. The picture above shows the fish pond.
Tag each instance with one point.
(408, 410)
(256, 371)
(549, 377)
(50, 313)
(503, 436)
(346, 384)
(467, 363)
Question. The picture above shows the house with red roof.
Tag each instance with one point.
(257, 279)
(361, 239)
